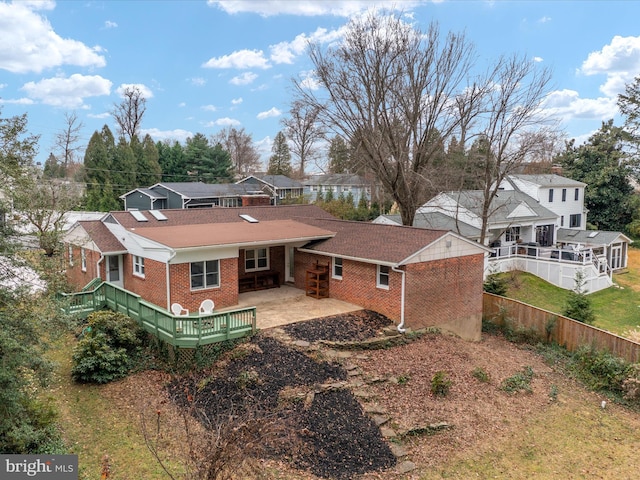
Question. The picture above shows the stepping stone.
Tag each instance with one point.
(301, 343)
(361, 356)
(380, 419)
(353, 373)
(363, 394)
(397, 450)
(373, 408)
(387, 432)
(356, 382)
(406, 467)
(344, 354)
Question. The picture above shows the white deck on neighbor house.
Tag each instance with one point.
(285, 305)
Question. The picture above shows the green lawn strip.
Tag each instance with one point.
(617, 310)
(93, 427)
(573, 438)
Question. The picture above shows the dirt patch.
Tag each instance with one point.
(358, 325)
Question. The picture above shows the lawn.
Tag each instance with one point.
(617, 309)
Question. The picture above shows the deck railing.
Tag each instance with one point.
(186, 331)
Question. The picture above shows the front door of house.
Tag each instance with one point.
(114, 269)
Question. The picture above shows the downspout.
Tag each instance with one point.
(98, 265)
(173, 254)
(400, 326)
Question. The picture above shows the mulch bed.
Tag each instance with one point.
(328, 433)
(359, 325)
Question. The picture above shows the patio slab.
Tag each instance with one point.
(285, 305)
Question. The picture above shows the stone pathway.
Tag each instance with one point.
(357, 383)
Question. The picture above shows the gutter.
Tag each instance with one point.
(400, 326)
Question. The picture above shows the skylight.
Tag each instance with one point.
(248, 218)
(138, 215)
(593, 234)
(158, 215)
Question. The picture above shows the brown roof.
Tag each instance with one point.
(234, 233)
(101, 236)
(377, 242)
(193, 216)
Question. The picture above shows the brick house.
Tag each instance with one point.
(414, 276)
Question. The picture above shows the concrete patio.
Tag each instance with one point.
(284, 305)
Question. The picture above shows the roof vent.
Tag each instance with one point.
(248, 218)
(158, 215)
(138, 215)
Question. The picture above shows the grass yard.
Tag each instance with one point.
(617, 309)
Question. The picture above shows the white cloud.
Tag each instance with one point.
(17, 101)
(224, 122)
(182, 104)
(110, 24)
(28, 43)
(161, 135)
(144, 90)
(339, 8)
(619, 61)
(3, 85)
(285, 52)
(567, 105)
(538, 59)
(236, 101)
(244, 79)
(99, 115)
(241, 59)
(209, 108)
(273, 112)
(68, 92)
(198, 81)
(544, 19)
(309, 81)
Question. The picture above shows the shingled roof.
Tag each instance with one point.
(102, 237)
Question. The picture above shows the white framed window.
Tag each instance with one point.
(512, 234)
(83, 258)
(576, 194)
(550, 195)
(564, 194)
(383, 277)
(256, 259)
(575, 220)
(337, 267)
(70, 255)
(205, 274)
(138, 266)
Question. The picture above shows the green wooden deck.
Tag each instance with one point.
(180, 331)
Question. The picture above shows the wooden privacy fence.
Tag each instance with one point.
(566, 331)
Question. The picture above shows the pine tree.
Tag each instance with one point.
(280, 161)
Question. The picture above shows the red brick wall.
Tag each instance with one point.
(446, 293)
(153, 287)
(75, 276)
(358, 284)
(224, 296)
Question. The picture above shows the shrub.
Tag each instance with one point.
(480, 374)
(631, 385)
(440, 384)
(600, 369)
(578, 305)
(519, 381)
(496, 284)
(108, 349)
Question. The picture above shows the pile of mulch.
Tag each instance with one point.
(330, 436)
(359, 325)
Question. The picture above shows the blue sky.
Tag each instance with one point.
(206, 65)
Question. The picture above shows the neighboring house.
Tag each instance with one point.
(278, 187)
(416, 277)
(192, 195)
(338, 184)
(537, 224)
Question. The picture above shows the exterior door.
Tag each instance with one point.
(616, 257)
(114, 269)
(290, 266)
(544, 235)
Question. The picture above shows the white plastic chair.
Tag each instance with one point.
(206, 307)
(178, 310)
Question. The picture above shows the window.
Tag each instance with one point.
(564, 194)
(205, 274)
(575, 220)
(383, 277)
(138, 266)
(83, 256)
(71, 255)
(512, 234)
(257, 259)
(314, 188)
(576, 194)
(562, 221)
(550, 195)
(337, 267)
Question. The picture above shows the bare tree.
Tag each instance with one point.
(129, 112)
(511, 125)
(66, 141)
(304, 130)
(239, 144)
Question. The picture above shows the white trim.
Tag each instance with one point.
(333, 268)
(256, 259)
(380, 274)
(204, 276)
(138, 266)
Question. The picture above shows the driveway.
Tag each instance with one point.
(284, 305)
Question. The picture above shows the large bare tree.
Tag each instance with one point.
(304, 130)
(388, 87)
(239, 144)
(66, 140)
(129, 112)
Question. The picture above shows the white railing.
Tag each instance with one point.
(583, 256)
